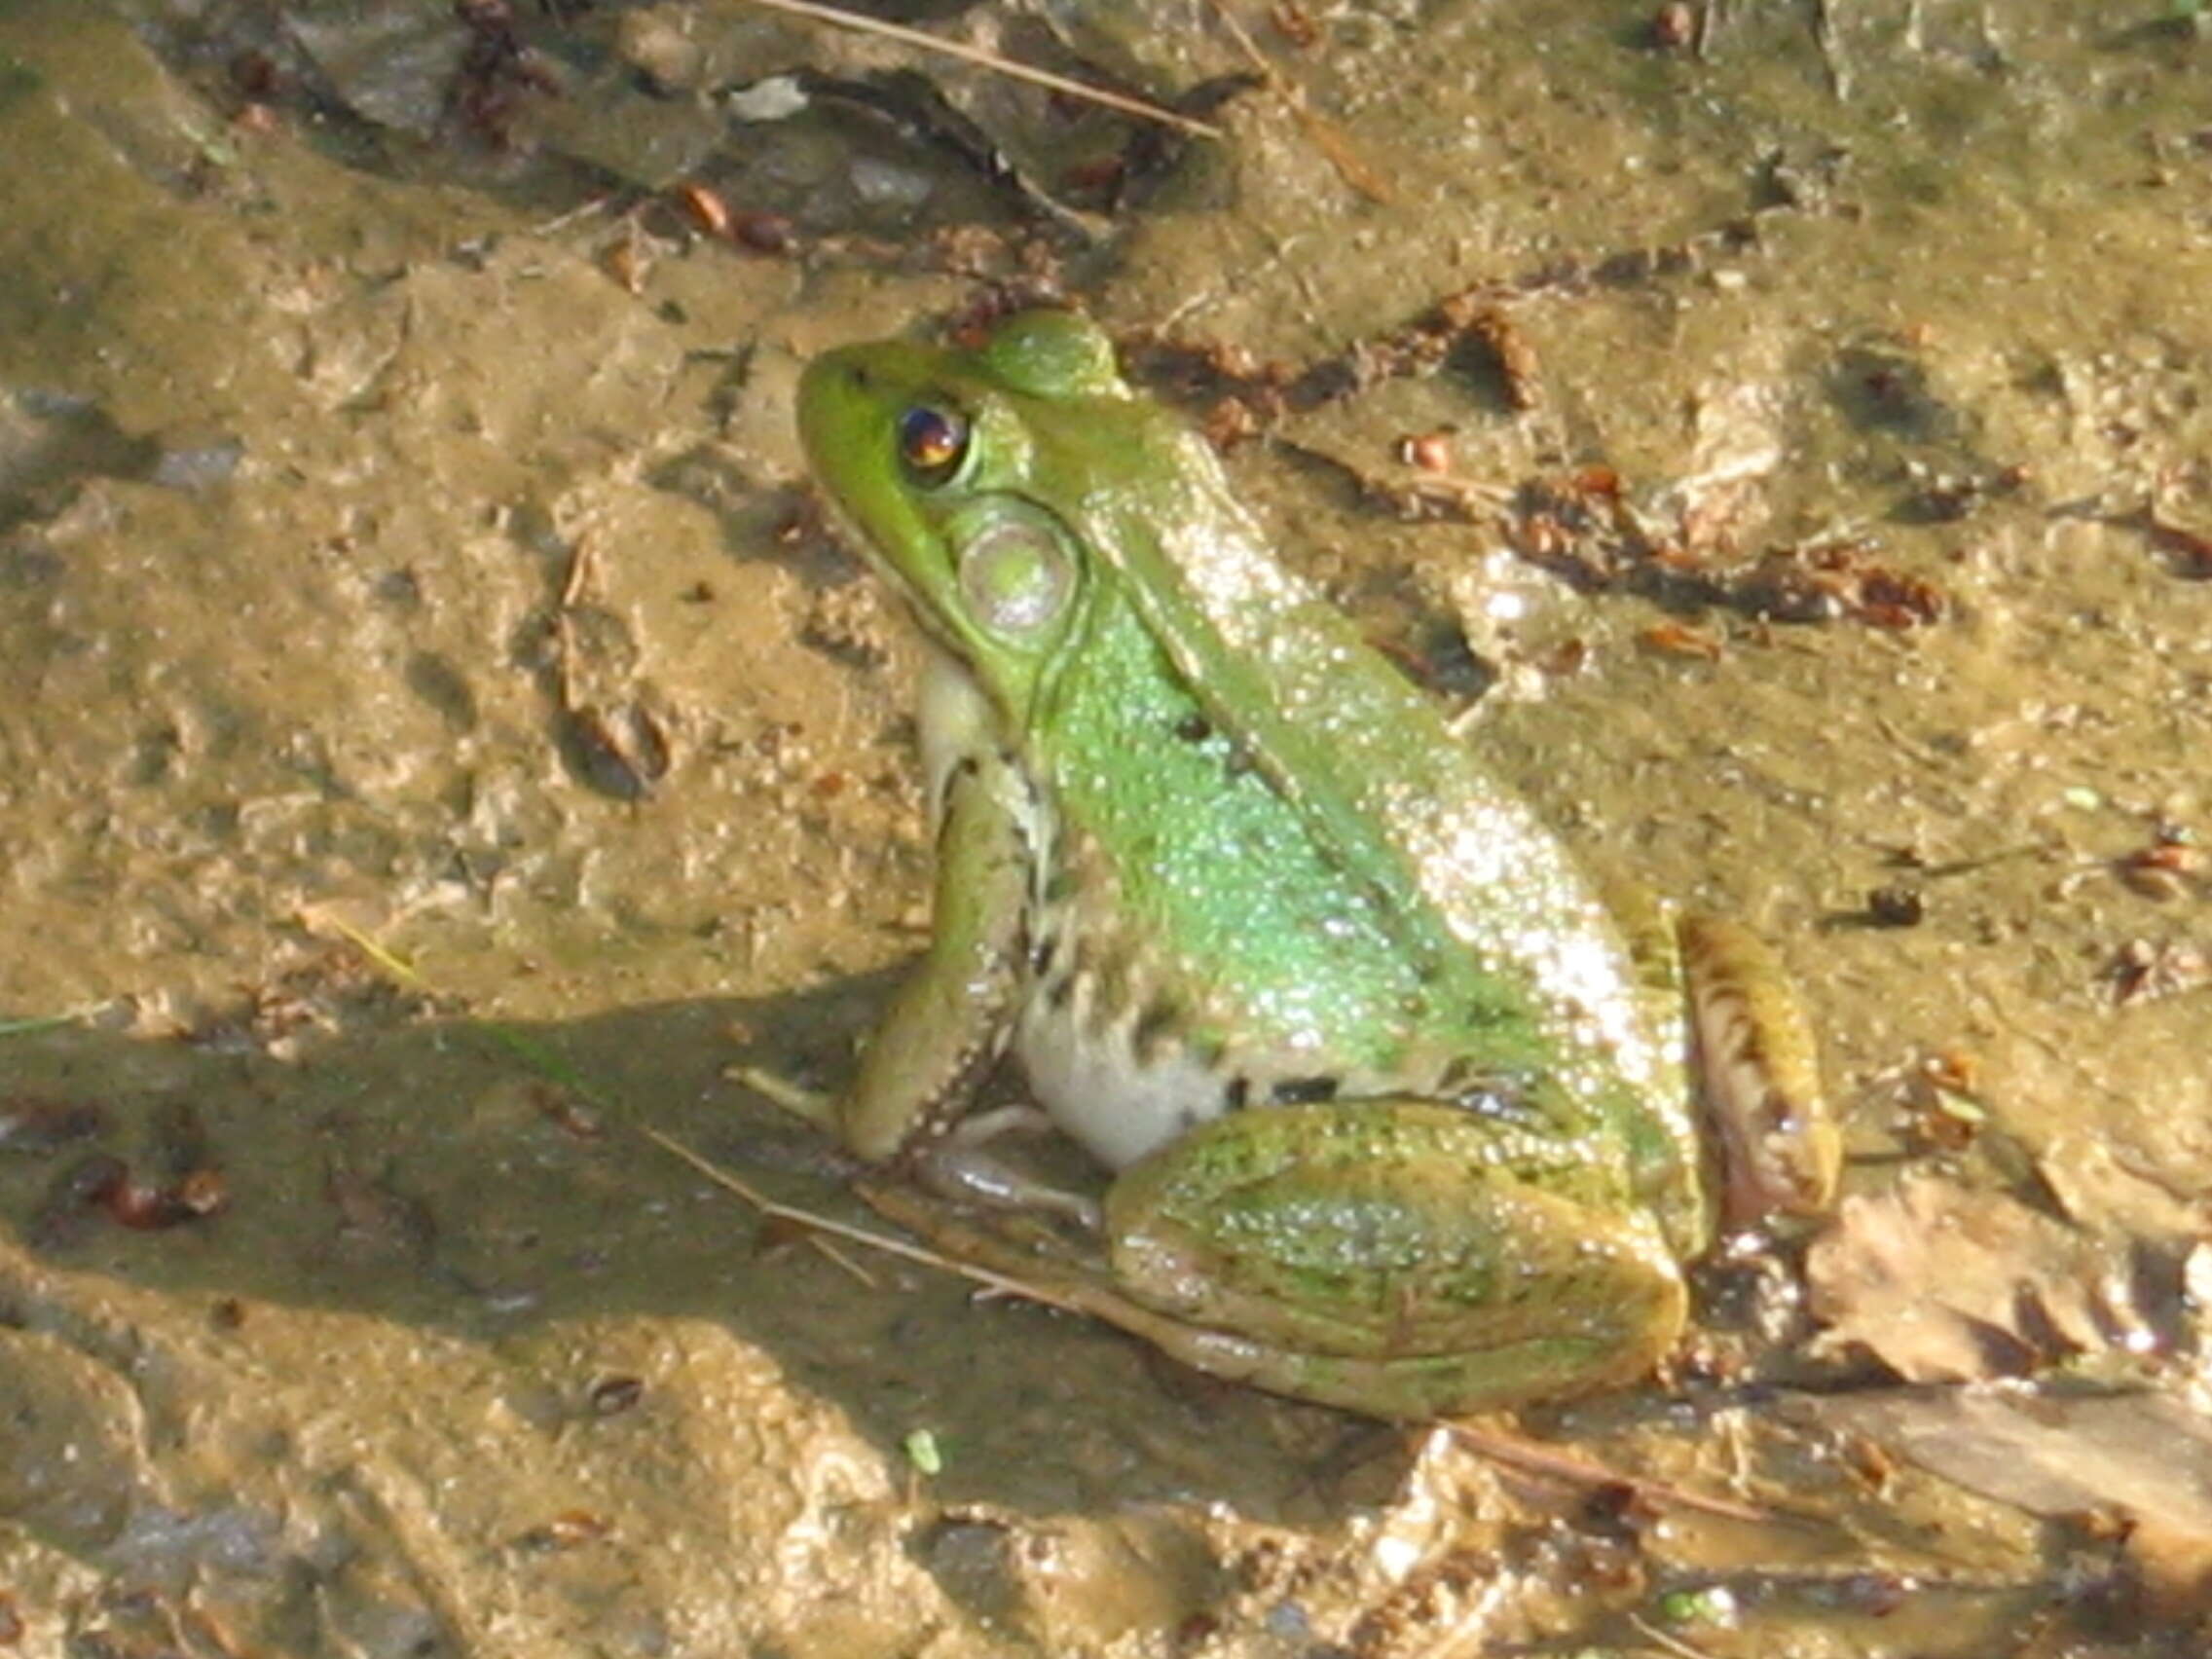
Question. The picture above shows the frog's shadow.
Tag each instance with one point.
(434, 1174)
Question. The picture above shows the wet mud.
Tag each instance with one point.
(439, 735)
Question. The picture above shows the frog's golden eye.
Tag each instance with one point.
(933, 442)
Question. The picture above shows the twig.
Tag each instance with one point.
(1708, 19)
(882, 1241)
(1535, 1459)
(316, 918)
(582, 211)
(991, 61)
(1832, 49)
(582, 567)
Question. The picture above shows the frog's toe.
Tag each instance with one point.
(813, 1104)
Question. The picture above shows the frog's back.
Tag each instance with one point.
(1187, 913)
(1282, 878)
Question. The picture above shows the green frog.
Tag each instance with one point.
(1401, 1116)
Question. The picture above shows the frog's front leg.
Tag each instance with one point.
(1399, 1257)
(950, 1018)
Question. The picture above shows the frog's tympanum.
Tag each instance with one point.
(1400, 1113)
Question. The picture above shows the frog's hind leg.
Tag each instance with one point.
(1399, 1257)
(1441, 1282)
(1758, 1073)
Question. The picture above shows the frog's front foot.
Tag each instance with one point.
(959, 1165)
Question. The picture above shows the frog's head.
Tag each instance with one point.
(955, 467)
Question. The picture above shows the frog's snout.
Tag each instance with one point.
(835, 374)
(832, 389)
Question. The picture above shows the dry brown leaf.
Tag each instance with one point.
(1944, 1285)
(2146, 1455)
(2142, 1459)
(2174, 1566)
(2099, 1187)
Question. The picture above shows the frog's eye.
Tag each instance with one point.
(933, 442)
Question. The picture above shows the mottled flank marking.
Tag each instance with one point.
(1112, 976)
(1155, 1028)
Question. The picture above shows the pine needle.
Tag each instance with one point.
(1327, 137)
(39, 1022)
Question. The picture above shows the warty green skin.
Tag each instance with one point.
(1402, 1121)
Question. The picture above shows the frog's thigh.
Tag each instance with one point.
(1404, 1237)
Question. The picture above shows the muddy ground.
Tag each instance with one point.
(439, 738)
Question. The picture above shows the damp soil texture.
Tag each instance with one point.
(439, 735)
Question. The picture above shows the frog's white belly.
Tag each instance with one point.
(1101, 1093)
(1116, 1083)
